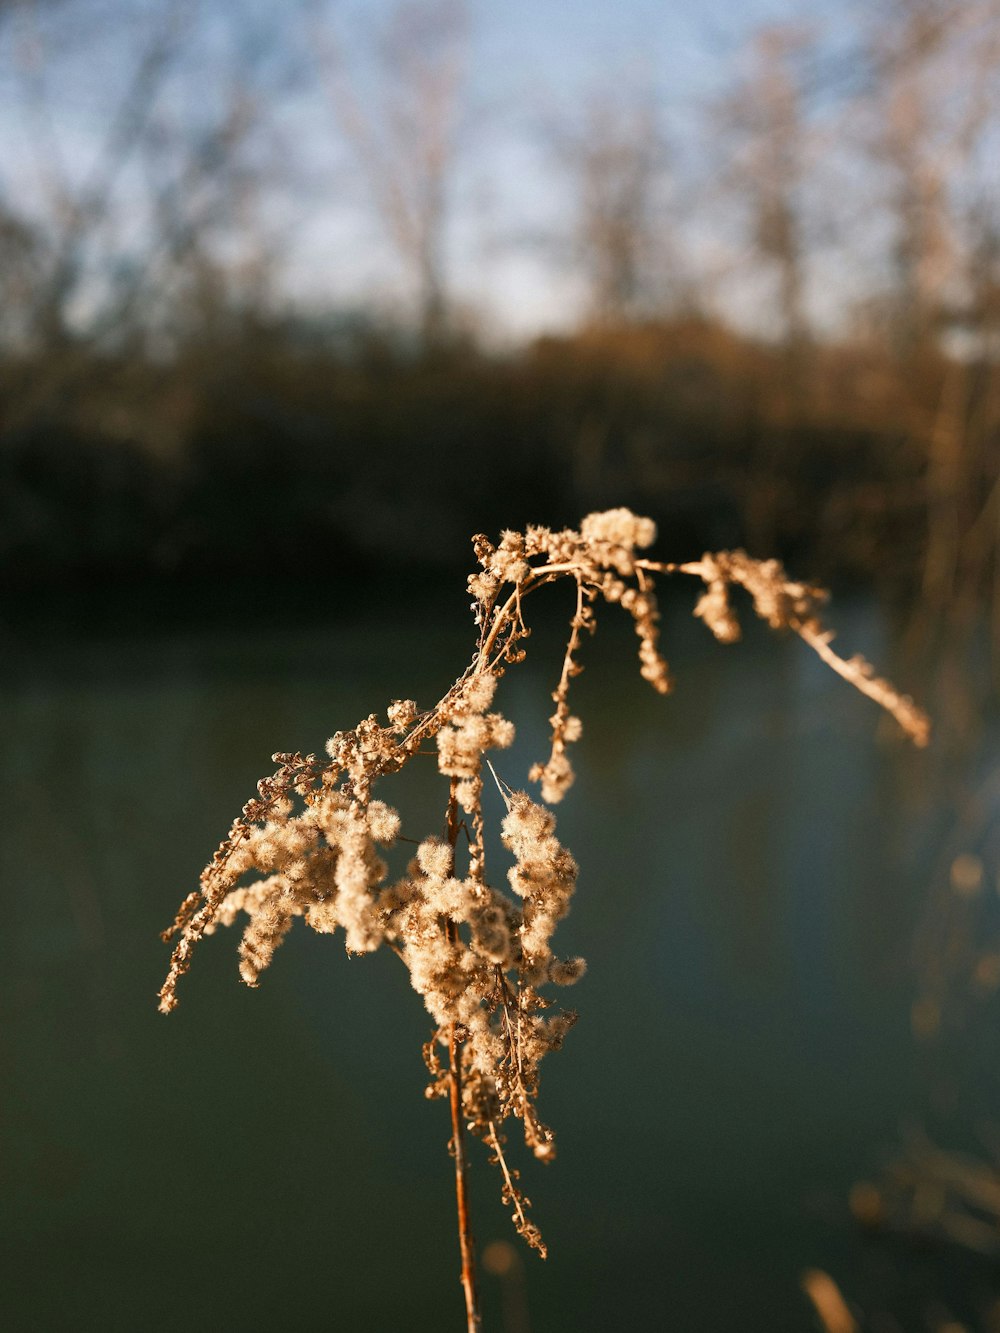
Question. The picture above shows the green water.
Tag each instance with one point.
(266, 1160)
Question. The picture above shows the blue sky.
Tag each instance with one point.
(530, 62)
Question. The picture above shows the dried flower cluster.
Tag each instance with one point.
(481, 957)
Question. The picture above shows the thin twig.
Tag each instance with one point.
(493, 1139)
(466, 1241)
(912, 719)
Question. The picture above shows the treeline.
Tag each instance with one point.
(267, 452)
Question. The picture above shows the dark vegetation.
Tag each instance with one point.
(240, 452)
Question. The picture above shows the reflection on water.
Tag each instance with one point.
(265, 1159)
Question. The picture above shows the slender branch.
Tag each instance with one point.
(465, 1238)
(523, 1225)
(466, 1241)
(858, 673)
(539, 575)
(855, 670)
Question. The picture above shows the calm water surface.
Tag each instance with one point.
(752, 872)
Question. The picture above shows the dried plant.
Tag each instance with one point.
(481, 958)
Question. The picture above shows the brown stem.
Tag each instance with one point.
(465, 1239)
(466, 1242)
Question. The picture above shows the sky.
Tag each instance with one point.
(531, 65)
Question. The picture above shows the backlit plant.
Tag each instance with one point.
(480, 955)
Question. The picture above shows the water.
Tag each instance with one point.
(265, 1159)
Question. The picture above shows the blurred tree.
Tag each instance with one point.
(142, 219)
(74, 204)
(929, 107)
(763, 128)
(931, 100)
(400, 111)
(614, 152)
(20, 273)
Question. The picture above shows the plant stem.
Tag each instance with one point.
(466, 1243)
